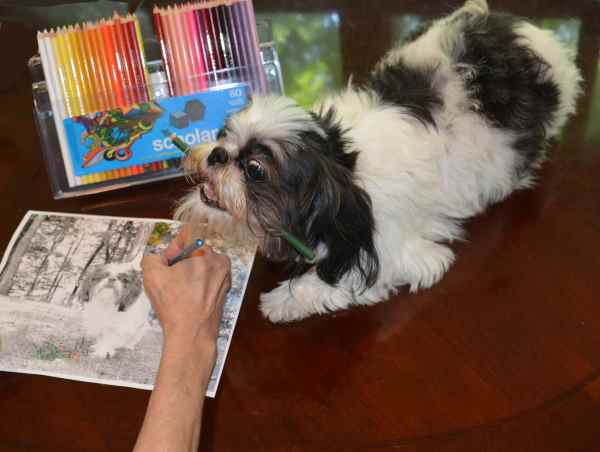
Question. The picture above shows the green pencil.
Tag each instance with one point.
(178, 142)
(300, 246)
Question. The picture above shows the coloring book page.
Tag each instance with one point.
(72, 303)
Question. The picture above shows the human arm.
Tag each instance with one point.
(187, 299)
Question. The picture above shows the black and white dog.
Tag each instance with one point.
(379, 178)
(116, 311)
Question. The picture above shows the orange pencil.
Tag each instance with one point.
(94, 86)
(115, 78)
(107, 96)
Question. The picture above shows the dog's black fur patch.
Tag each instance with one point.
(317, 199)
(336, 142)
(508, 82)
(407, 87)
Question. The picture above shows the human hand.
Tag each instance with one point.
(188, 296)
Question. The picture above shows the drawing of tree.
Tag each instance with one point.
(29, 230)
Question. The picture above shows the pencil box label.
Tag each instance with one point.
(126, 137)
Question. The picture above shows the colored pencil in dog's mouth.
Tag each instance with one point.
(178, 142)
(299, 246)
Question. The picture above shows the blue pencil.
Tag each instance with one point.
(186, 252)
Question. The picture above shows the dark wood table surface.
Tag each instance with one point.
(502, 355)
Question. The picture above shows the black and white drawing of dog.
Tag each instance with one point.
(379, 178)
(115, 308)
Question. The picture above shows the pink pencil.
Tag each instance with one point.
(170, 36)
(164, 49)
(262, 79)
(193, 33)
(186, 62)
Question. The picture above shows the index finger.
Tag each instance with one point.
(178, 243)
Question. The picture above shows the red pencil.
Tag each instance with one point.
(141, 94)
(132, 82)
(196, 49)
(121, 59)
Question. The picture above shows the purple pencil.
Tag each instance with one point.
(244, 34)
(262, 79)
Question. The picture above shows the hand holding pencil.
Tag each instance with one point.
(187, 297)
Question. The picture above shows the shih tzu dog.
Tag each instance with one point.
(379, 178)
(116, 312)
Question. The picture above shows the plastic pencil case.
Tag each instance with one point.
(122, 147)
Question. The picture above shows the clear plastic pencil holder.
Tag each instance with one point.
(132, 144)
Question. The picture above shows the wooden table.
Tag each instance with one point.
(502, 355)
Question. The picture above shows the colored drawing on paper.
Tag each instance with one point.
(72, 303)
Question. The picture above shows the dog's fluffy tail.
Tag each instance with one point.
(562, 71)
(470, 10)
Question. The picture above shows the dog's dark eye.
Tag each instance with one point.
(221, 134)
(255, 170)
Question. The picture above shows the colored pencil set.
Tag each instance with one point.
(97, 72)
(91, 68)
(209, 43)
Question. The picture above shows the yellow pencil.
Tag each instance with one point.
(63, 70)
(75, 88)
(81, 69)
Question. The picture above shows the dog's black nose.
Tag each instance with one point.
(218, 155)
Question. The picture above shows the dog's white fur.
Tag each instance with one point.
(423, 181)
(109, 328)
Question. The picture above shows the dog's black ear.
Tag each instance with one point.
(93, 277)
(343, 221)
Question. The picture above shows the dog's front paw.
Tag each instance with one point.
(281, 305)
(427, 263)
